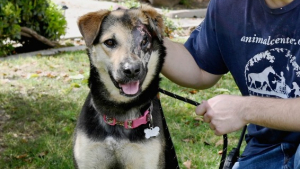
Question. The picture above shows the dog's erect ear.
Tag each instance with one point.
(89, 25)
(155, 20)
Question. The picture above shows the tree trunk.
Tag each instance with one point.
(29, 33)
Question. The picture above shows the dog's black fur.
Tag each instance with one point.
(88, 119)
(91, 131)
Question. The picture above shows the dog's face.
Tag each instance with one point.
(123, 46)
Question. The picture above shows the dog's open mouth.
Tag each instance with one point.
(130, 89)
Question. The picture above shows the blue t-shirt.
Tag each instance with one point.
(261, 48)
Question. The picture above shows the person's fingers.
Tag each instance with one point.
(218, 133)
(211, 126)
(201, 109)
(206, 118)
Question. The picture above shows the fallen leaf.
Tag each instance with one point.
(206, 143)
(64, 75)
(51, 75)
(193, 91)
(29, 76)
(81, 71)
(198, 118)
(53, 66)
(16, 69)
(28, 160)
(22, 156)
(187, 140)
(85, 81)
(42, 154)
(187, 122)
(188, 164)
(76, 85)
(218, 143)
(38, 72)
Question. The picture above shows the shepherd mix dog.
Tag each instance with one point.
(120, 125)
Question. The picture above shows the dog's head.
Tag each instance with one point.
(124, 46)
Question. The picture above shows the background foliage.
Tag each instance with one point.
(42, 16)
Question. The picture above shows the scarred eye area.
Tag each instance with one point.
(144, 41)
(110, 43)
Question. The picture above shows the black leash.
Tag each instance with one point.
(225, 140)
(171, 161)
(234, 154)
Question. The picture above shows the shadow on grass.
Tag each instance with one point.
(37, 131)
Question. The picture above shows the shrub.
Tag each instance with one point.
(42, 16)
(130, 3)
(170, 26)
(9, 26)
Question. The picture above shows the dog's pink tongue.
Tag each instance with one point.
(130, 88)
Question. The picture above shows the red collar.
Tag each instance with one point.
(130, 124)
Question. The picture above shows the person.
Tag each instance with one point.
(254, 40)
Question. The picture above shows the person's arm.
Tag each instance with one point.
(181, 68)
(227, 113)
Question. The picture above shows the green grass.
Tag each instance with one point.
(40, 98)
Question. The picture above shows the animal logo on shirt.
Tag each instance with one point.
(263, 79)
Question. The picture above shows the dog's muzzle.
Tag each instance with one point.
(131, 75)
(131, 70)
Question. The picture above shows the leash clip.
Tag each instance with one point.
(149, 117)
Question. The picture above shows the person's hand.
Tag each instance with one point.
(224, 113)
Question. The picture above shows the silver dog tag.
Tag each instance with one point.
(151, 132)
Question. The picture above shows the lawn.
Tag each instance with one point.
(41, 96)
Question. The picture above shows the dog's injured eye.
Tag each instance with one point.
(111, 43)
(144, 41)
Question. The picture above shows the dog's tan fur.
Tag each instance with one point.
(90, 25)
(102, 153)
(91, 154)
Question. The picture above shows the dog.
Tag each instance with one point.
(121, 124)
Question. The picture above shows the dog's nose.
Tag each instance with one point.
(131, 70)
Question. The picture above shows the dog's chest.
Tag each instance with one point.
(112, 153)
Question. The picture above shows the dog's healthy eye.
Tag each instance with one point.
(110, 43)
